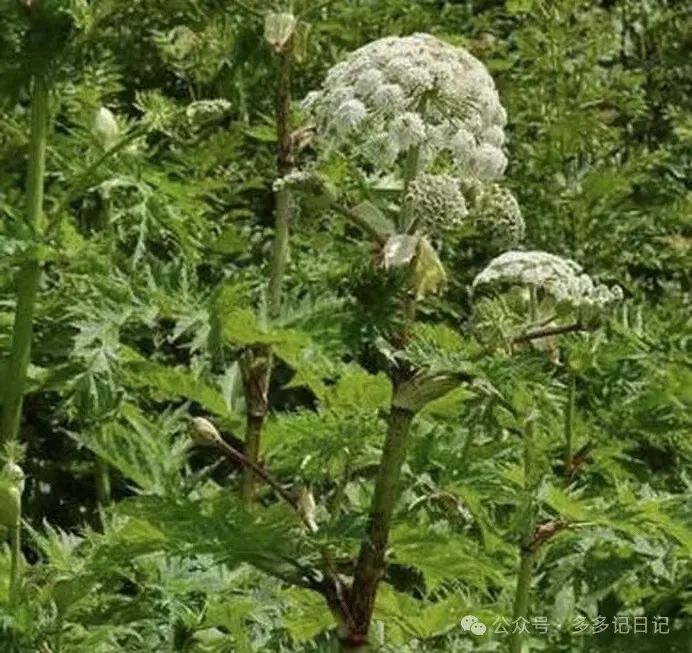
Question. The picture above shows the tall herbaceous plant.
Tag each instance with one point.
(420, 127)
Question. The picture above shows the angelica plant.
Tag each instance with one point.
(427, 116)
(552, 296)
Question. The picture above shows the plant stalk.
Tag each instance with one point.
(411, 166)
(521, 598)
(547, 332)
(283, 166)
(280, 249)
(527, 552)
(370, 564)
(358, 221)
(569, 422)
(29, 275)
(253, 435)
(15, 561)
(257, 367)
(533, 303)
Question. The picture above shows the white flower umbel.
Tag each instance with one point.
(435, 202)
(414, 91)
(351, 113)
(560, 278)
(407, 130)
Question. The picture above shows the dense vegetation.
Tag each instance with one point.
(268, 379)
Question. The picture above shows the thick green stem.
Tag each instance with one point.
(527, 550)
(370, 565)
(371, 557)
(356, 219)
(255, 368)
(569, 422)
(283, 165)
(30, 272)
(279, 251)
(253, 433)
(548, 332)
(521, 598)
(411, 165)
(410, 172)
(15, 561)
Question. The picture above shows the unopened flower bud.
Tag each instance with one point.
(308, 508)
(278, 29)
(11, 488)
(204, 433)
(105, 127)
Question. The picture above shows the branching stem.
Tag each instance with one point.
(521, 599)
(103, 482)
(260, 472)
(255, 367)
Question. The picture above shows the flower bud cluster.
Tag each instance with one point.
(435, 202)
(496, 216)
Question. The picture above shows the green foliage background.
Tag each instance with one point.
(161, 262)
